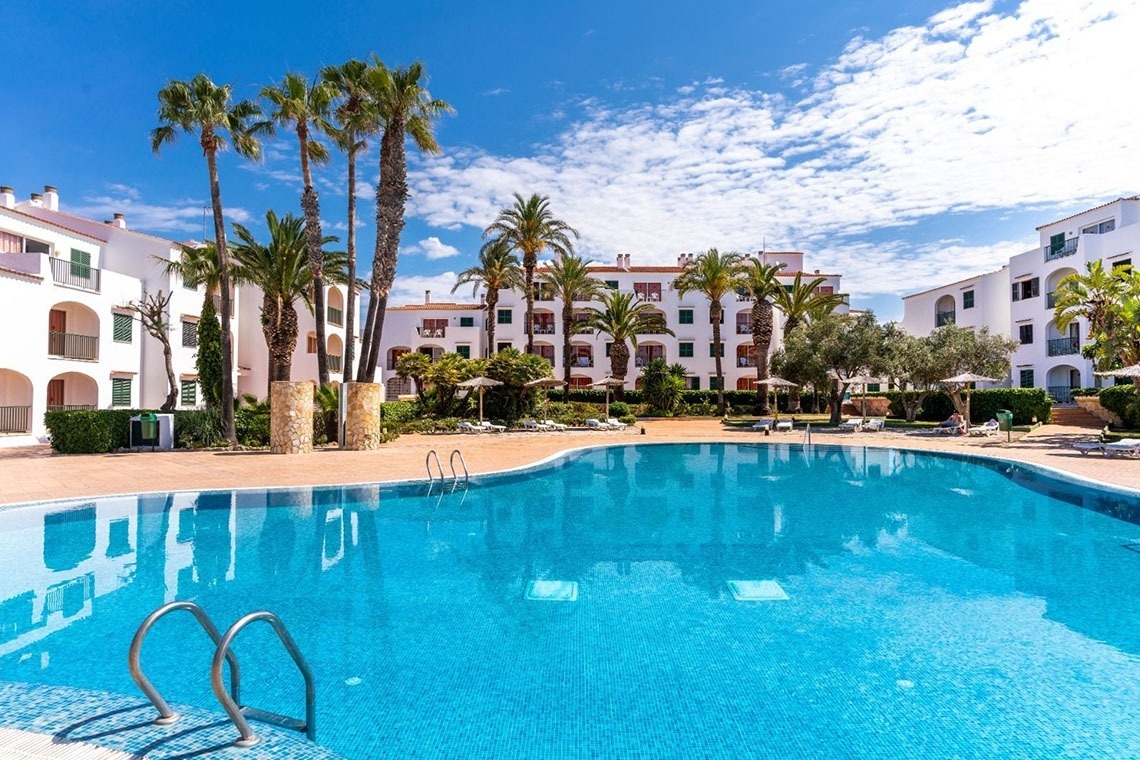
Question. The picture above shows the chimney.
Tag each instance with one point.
(37, 199)
(427, 296)
(482, 299)
(817, 271)
(7, 197)
(119, 221)
(627, 261)
(51, 198)
(620, 258)
(681, 260)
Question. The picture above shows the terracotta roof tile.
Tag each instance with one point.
(1087, 210)
(441, 306)
(50, 223)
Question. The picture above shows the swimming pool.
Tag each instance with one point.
(934, 606)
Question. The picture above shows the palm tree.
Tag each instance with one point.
(498, 269)
(306, 107)
(530, 228)
(197, 266)
(798, 302)
(404, 107)
(715, 275)
(569, 280)
(623, 317)
(282, 271)
(202, 107)
(1092, 296)
(355, 120)
(761, 285)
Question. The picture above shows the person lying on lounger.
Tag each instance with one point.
(954, 421)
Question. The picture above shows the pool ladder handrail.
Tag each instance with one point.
(454, 474)
(166, 716)
(239, 714)
(427, 463)
(807, 436)
(451, 463)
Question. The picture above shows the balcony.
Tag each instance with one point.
(1061, 250)
(1051, 299)
(743, 328)
(74, 274)
(336, 317)
(943, 318)
(544, 328)
(746, 361)
(336, 363)
(15, 419)
(581, 361)
(1063, 346)
(71, 407)
(1061, 394)
(69, 346)
(431, 332)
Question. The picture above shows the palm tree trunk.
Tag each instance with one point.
(224, 317)
(311, 206)
(715, 312)
(350, 302)
(762, 340)
(492, 315)
(529, 262)
(567, 326)
(619, 365)
(391, 198)
(366, 337)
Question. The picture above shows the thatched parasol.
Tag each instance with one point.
(774, 381)
(967, 378)
(861, 380)
(479, 382)
(608, 382)
(545, 382)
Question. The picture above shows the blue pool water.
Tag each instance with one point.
(935, 608)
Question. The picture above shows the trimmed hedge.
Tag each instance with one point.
(1123, 400)
(1025, 403)
(80, 432)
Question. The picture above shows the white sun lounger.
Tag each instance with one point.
(594, 424)
(784, 425)
(852, 424)
(486, 425)
(467, 427)
(1087, 447)
(615, 423)
(873, 425)
(764, 425)
(552, 425)
(536, 425)
(988, 428)
(1125, 447)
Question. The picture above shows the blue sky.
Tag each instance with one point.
(901, 144)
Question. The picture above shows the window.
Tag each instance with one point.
(10, 243)
(648, 291)
(1056, 242)
(1122, 264)
(504, 316)
(464, 351)
(713, 384)
(968, 299)
(685, 317)
(685, 350)
(311, 344)
(503, 346)
(1026, 378)
(120, 391)
(1026, 289)
(1099, 229)
(713, 349)
(189, 334)
(121, 327)
(872, 387)
(1025, 334)
(612, 284)
(467, 321)
(189, 396)
(80, 264)
(609, 347)
(694, 383)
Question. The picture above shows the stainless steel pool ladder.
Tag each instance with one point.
(222, 654)
(454, 474)
(451, 463)
(807, 436)
(427, 463)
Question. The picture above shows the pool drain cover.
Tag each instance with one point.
(757, 591)
(552, 591)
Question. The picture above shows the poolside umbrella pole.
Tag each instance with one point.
(968, 378)
(480, 382)
(608, 382)
(773, 381)
(860, 380)
(545, 382)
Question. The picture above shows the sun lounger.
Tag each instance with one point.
(615, 423)
(552, 425)
(988, 428)
(764, 425)
(784, 425)
(486, 425)
(594, 424)
(1087, 447)
(873, 425)
(536, 425)
(1125, 447)
(467, 427)
(947, 430)
(852, 424)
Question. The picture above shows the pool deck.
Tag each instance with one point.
(35, 473)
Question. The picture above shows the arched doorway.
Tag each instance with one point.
(545, 350)
(432, 352)
(544, 322)
(15, 402)
(71, 391)
(581, 355)
(744, 322)
(335, 307)
(647, 352)
(580, 382)
(1052, 282)
(336, 353)
(944, 311)
(73, 332)
(746, 355)
(747, 383)
(394, 355)
(1062, 344)
(1060, 382)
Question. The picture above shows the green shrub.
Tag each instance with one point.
(398, 411)
(628, 419)
(198, 428)
(252, 426)
(1086, 391)
(1123, 400)
(80, 432)
(619, 409)
(1025, 403)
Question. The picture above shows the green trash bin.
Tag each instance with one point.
(148, 430)
(1005, 421)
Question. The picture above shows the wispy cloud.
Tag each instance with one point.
(431, 248)
(497, 91)
(976, 110)
(179, 216)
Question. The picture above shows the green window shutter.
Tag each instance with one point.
(696, 386)
(189, 396)
(464, 351)
(503, 347)
(685, 317)
(122, 327)
(968, 299)
(1056, 242)
(120, 391)
(467, 321)
(685, 350)
(504, 316)
(713, 384)
(612, 284)
(189, 334)
(608, 347)
(80, 264)
(872, 387)
(713, 349)
(1026, 378)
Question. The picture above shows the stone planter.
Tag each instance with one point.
(1092, 405)
(291, 418)
(362, 430)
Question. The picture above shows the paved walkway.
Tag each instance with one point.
(34, 473)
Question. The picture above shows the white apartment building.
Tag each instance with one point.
(1017, 300)
(69, 338)
(439, 328)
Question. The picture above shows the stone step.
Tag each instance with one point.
(1074, 416)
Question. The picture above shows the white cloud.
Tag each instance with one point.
(184, 215)
(409, 289)
(497, 91)
(431, 248)
(976, 110)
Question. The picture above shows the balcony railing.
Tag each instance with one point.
(1062, 394)
(746, 361)
(74, 274)
(581, 361)
(15, 419)
(71, 346)
(431, 332)
(743, 329)
(1051, 299)
(71, 407)
(1068, 248)
(1063, 346)
(543, 328)
(642, 359)
(943, 318)
(336, 363)
(336, 317)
